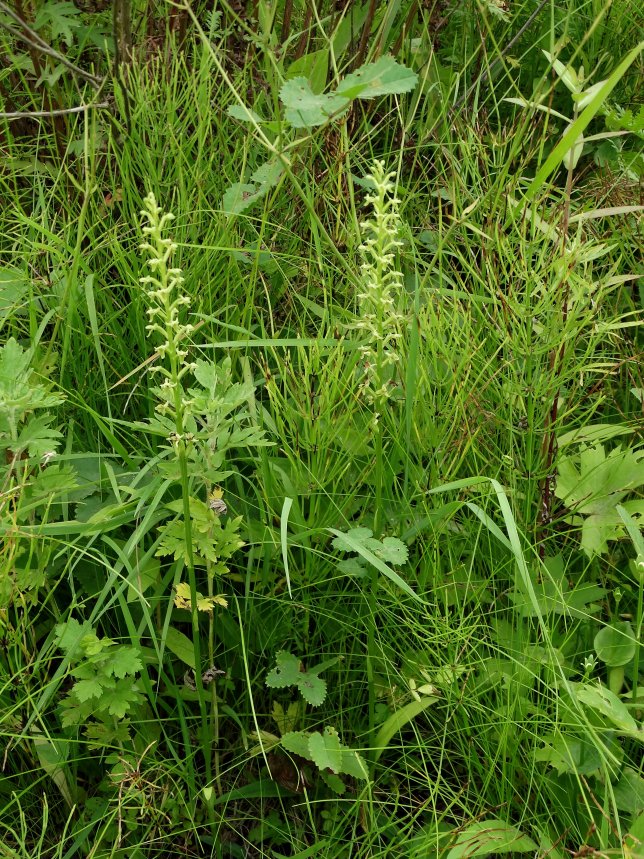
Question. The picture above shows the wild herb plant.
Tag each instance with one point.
(32, 483)
(199, 426)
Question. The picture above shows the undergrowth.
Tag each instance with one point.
(321, 430)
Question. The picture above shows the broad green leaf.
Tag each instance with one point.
(59, 18)
(390, 549)
(268, 174)
(334, 782)
(572, 156)
(356, 535)
(566, 74)
(52, 756)
(591, 483)
(14, 292)
(615, 644)
(181, 646)
(325, 751)
(352, 567)
(297, 743)
(397, 721)
(586, 96)
(354, 764)
(240, 196)
(629, 791)
(286, 672)
(593, 433)
(305, 109)
(312, 688)
(634, 839)
(119, 700)
(314, 67)
(492, 836)
(384, 77)
(605, 702)
(498, 8)
(554, 595)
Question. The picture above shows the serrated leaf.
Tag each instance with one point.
(392, 551)
(354, 764)
(376, 562)
(355, 535)
(286, 671)
(69, 635)
(14, 363)
(297, 743)
(268, 174)
(240, 196)
(384, 77)
(182, 598)
(123, 661)
(569, 754)
(101, 735)
(86, 689)
(334, 782)
(312, 688)
(118, 700)
(325, 751)
(305, 109)
(492, 836)
(352, 567)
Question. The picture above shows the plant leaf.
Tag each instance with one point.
(325, 750)
(493, 836)
(243, 113)
(286, 672)
(312, 688)
(86, 689)
(384, 77)
(355, 546)
(297, 743)
(181, 646)
(240, 196)
(615, 644)
(397, 721)
(305, 109)
(600, 698)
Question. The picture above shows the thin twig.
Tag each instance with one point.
(34, 40)
(36, 114)
(486, 74)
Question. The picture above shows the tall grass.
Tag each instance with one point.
(512, 343)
